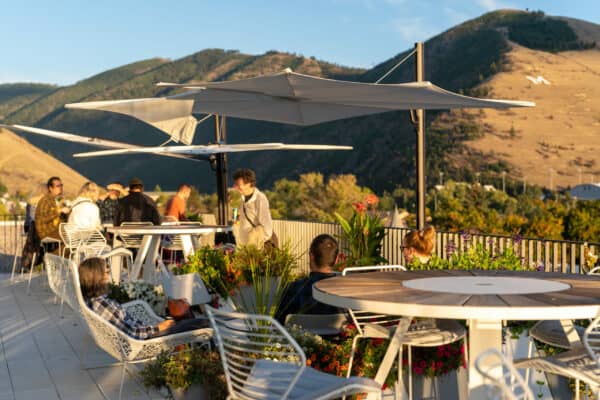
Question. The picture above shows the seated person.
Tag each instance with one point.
(94, 277)
(297, 298)
(417, 246)
(85, 213)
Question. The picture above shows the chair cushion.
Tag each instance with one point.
(423, 333)
(272, 378)
(552, 333)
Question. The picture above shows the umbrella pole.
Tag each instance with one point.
(420, 142)
(221, 171)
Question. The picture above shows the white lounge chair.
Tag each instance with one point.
(262, 361)
(581, 363)
(509, 386)
(118, 344)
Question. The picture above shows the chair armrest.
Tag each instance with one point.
(141, 311)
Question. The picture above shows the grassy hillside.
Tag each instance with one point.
(17, 95)
(24, 167)
(467, 59)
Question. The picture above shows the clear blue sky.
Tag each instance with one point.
(67, 40)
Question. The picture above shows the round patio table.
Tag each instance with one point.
(484, 298)
(152, 234)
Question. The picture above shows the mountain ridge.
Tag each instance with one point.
(465, 58)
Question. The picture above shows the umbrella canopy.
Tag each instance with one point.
(286, 97)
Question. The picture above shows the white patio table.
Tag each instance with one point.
(148, 250)
(484, 298)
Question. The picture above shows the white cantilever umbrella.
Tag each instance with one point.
(286, 97)
(92, 141)
(212, 149)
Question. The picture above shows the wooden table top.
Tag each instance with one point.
(526, 298)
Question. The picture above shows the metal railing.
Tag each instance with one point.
(12, 239)
(547, 255)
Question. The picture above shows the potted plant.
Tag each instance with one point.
(194, 374)
(215, 267)
(265, 275)
(363, 233)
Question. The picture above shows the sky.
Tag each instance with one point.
(64, 41)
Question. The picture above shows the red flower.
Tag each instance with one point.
(360, 207)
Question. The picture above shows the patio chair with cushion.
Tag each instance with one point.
(262, 361)
(319, 324)
(509, 386)
(423, 333)
(553, 333)
(118, 344)
(581, 363)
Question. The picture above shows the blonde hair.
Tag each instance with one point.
(422, 241)
(89, 190)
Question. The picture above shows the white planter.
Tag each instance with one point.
(194, 392)
(451, 386)
(246, 296)
(188, 286)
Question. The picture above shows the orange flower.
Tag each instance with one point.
(372, 199)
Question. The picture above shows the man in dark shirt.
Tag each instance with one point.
(298, 296)
(137, 207)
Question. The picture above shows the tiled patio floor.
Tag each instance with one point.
(42, 355)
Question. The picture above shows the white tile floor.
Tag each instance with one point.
(41, 355)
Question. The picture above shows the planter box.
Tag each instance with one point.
(188, 286)
(451, 386)
(194, 392)
(246, 296)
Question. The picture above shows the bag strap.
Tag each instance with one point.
(246, 215)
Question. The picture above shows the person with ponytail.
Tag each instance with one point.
(418, 245)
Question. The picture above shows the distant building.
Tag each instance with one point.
(586, 191)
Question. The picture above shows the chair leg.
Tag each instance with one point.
(352, 351)
(31, 272)
(410, 382)
(529, 355)
(14, 265)
(576, 389)
(122, 379)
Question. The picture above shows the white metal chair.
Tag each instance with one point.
(423, 333)
(170, 242)
(262, 361)
(319, 324)
(510, 386)
(132, 241)
(118, 344)
(43, 243)
(551, 332)
(581, 363)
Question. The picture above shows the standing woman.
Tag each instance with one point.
(84, 211)
(417, 246)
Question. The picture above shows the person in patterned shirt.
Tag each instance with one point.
(109, 205)
(93, 279)
(48, 214)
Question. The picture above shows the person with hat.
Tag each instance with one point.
(108, 205)
(136, 206)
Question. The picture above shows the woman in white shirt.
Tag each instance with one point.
(84, 211)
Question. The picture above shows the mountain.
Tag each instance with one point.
(24, 167)
(490, 56)
(14, 96)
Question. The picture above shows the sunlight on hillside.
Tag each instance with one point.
(561, 132)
